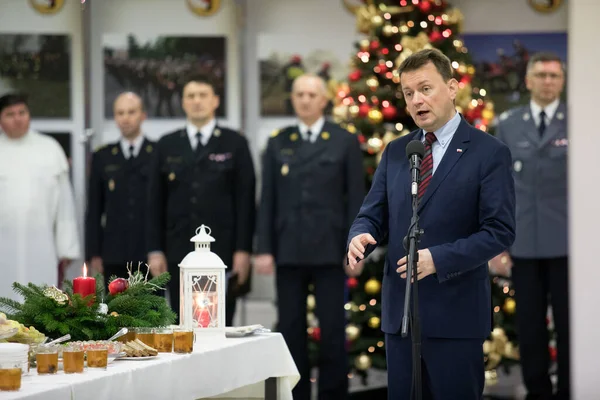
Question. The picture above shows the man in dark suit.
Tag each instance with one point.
(312, 187)
(537, 136)
(466, 209)
(202, 174)
(115, 225)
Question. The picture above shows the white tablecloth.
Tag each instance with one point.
(233, 367)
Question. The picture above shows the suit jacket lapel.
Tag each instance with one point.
(460, 141)
(556, 125)
(210, 146)
(310, 150)
(530, 130)
(186, 146)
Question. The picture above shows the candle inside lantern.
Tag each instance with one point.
(202, 312)
(84, 285)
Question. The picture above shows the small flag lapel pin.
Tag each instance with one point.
(459, 150)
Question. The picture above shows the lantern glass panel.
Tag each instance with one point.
(205, 297)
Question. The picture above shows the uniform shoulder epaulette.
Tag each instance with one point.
(275, 132)
(100, 148)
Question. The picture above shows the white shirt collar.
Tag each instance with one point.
(315, 128)
(550, 109)
(137, 145)
(206, 132)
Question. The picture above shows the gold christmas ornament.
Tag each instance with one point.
(311, 302)
(372, 286)
(364, 44)
(510, 305)
(387, 30)
(340, 113)
(114, 314)
(362, 362)
(374, 145)
(415, 43)
(374, 322)
(57, 295)
(463, 96)
(352, 332)
(373, 83)
(353, 109)
(488, 115)
(455, 16)
(375, 116)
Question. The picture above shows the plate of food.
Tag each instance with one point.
(137, 350)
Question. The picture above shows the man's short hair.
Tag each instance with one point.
(200, 78)
(421, 58)
(13, 99)
(544, 56)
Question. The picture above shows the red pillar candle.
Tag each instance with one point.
(84, 285)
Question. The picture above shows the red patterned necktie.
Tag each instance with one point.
(427, 164)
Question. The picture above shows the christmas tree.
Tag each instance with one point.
(371, 106)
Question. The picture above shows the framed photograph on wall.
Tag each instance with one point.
(501, 63)
(282, 59)
(155, 66)
(39, 66)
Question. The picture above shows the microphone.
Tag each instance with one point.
(415, 150)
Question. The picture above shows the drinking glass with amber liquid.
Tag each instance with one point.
(47, 359)
(10, 375)
(163, 340)
(128, 337)
(73, 358)
(97, 357)
(183, 340)
(146, 335)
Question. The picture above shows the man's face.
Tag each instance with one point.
(545, 80)
(430, 100)
(199, 101)
(14, 120)
(308, 98)
(129, 116)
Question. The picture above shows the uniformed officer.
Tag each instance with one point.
(116, 212)
(202, 174)
(312, 189)
(537, 136)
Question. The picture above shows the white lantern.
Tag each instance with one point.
(202, 287)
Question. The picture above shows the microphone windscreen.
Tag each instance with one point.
(415, 147)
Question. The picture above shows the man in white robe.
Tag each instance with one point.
(38, 226)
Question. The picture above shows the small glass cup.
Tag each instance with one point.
(97, 356)
(183, 340)
(73, 358)
(163, 340)
(128, 337)
(146, 335)
(47, 359)
(10, 375)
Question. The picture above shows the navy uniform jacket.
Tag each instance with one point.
(311, 193)
(540, 173)
(116, 212)
(215, 187)
(468, 215)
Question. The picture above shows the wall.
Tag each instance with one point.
(160, 17)
(584, 168)
(17, 16)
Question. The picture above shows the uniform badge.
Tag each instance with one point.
(275, 133)
(560, 115)
(294, 137)
(526, 117)
(111, 185)
(518, 166)
(285, 169)
(149, 148)
(217, 132)
(325, 135)
(115, 151)
(172, 176)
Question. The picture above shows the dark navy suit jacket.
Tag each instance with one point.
(468, 215)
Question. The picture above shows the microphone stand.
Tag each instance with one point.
(410, 244)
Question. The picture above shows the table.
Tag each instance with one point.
(230, 368)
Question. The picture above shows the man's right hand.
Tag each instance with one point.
(501, 264)
(264, 264)
(158, 263)
(96, 265)
(357, 247)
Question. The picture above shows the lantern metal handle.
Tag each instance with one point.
(200, 227)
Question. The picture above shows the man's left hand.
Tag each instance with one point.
(425, 265)
(241, 266)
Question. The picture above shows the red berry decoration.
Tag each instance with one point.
(118, 286)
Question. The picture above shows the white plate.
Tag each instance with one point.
(136, 358)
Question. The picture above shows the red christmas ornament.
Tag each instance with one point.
(352, 282)
(118, 286)
(316, 334)
(374, 45)
(435, 36)
(354, 75)
(553, 353)
(362, 138)
(425, 6)
(363, 110)
(383, 68)
(465, 79)
(389, 112)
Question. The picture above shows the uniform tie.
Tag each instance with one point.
(542, 127)
(427, 164)
(199, 144)
(131, 155)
